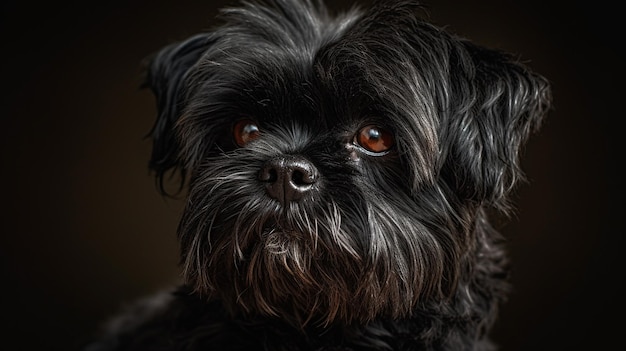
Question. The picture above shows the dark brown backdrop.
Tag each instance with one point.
(83, 229)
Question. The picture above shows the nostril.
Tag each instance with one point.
(297, 177)
(302, 175)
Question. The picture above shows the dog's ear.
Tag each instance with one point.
(500, 102)
(483, 104)
(166, 74)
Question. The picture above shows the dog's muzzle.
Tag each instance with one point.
(288, 178)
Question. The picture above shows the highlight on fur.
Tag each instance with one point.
(338, 171)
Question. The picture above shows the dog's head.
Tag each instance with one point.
(337, 166)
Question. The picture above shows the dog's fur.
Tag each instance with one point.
(301, 238)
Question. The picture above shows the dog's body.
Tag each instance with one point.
(339, 172)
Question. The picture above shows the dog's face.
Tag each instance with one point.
(337, 167)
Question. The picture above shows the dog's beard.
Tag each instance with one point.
(329, 257)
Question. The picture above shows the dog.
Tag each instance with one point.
(340, 173)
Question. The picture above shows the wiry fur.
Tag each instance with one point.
(390, 251)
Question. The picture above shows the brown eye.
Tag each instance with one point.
(374, 139)
(245, 131)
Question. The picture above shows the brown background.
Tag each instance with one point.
(83, 230)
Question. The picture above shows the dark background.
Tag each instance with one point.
(83, 229)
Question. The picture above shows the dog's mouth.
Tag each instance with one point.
(279, 239)
(278, 242)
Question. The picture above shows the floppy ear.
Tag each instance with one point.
(504, 102)
(166, 76)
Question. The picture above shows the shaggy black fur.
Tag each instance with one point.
(339, 172)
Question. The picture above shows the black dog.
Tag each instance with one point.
(339, 174)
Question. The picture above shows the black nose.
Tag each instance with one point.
(288, 178)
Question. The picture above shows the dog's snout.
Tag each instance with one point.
(288, 178)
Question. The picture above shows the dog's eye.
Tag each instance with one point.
(245, 131)
(374, 139)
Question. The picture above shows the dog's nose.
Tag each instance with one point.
(288, 178)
